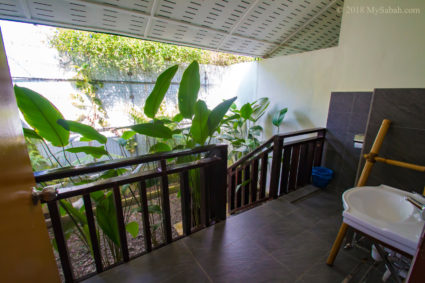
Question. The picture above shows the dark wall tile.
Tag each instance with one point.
(405, 107)
(341, 102)
(405, 140)
(348, 115)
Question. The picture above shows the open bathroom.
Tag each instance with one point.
(302, 160)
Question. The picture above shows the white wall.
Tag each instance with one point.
(384, 50)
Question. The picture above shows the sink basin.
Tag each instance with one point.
(383, 213)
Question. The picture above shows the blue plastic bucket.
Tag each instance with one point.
(321, 176)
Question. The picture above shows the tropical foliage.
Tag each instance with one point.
(49, 127)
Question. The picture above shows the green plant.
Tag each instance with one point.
(49, 126)
(278, 118)
(240, 129)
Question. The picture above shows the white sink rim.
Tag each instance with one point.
(400, 230)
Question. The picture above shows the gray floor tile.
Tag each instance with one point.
(278, 241)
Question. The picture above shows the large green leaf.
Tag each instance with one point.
(246, 111)
(279, 116)
(107, 218)
(132, 228)
(159, 147)
(217, 114)
(188, 90)
(162, 84)
(77, 215)
(259, 108)
(88, 132)
(154, 129)
(28, 133)
(95, 151)
(40, 114)
(199, 129)
(128, 135)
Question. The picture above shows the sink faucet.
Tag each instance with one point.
(417, 204)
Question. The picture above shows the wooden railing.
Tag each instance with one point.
(212, 168)
(291, 166)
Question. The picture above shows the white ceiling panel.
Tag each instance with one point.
(261, 28)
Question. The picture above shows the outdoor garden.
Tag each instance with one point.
(55, 142)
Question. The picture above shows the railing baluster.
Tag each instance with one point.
(294, 166)
(263, 175)
(238, 199)
(165, 200)
(245, 192)
(274, 174)
(254, 179)
(205, 204)
(121, 224)
(302, 165)
(93, 234)
(319, 148)
(285, 170)
(309, 162)
(145, 216)
(185, 203)
(60, 240)
(231, 195)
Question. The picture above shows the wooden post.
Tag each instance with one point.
(275, 171)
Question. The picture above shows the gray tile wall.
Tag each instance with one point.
(348, 114)
(405, 140)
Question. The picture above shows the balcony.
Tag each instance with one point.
(267, 223)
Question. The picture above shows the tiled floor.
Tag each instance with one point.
(278, 241)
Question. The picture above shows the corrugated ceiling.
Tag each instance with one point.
(260, 28)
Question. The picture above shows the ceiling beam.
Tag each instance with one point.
(327, 7)
(168, 20)
(238, 23)
(149, 23)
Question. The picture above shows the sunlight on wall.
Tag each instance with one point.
(378, 47)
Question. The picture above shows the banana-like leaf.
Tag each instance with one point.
(132, 228)
(31, 134)
(199, 128)
(256, 130)
(154, 129)
(246, 111)
(188, 90)
(77, 215)
(128, 135)
(159, 147)
(162, 84)
(88, 132)
(244, 183)
(259, 108)
(279, 116)
(217, 114)
(41, 115)
(178, 118)
(95, 151)
(107, 218)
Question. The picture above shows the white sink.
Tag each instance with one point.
(383, 213)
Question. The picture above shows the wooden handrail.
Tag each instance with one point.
(59, 173)
(269, 141)
(68, 192)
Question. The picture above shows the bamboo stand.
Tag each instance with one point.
(371, 158)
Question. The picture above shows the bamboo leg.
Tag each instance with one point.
(373, 152)
(337, 244)
(370, 161)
